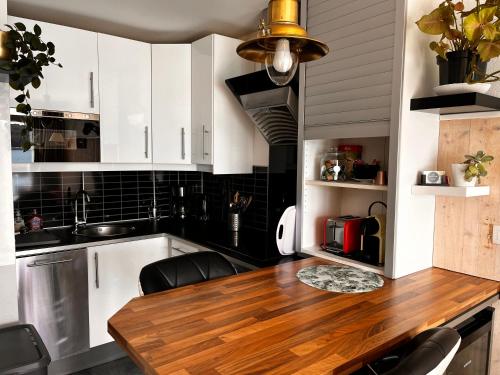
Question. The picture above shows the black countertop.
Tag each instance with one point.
(251, 246)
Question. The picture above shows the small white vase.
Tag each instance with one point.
(458, 173)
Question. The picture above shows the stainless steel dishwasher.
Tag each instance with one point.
(53, 296)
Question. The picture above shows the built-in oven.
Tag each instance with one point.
(56, 137)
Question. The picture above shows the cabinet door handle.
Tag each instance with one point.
(183, 143)
(96, 258)
(38, 263)
(203, 143)
(91, 89)
(146, 142)
(205, 131)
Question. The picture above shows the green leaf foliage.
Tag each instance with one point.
(20, 98)
(475, 30)
(20, 26)
(476, 165)
(29, 56)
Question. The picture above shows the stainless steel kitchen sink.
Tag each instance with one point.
(105, 231)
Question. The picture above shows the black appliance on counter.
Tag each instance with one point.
(58, 137)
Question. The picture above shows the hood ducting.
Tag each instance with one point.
(273, 109)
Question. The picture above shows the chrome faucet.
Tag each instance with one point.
(153, 211)
(85, 199)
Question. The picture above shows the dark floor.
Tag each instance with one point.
(123, 366)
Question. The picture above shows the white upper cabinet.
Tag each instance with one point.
(171, 71)
(125, 91)
(222, 133)
(74, 87)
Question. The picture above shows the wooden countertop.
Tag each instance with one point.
(268, 322)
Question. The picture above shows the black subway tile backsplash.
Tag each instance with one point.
(128, 195)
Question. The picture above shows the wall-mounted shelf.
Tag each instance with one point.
(452, 191)
(457, 103)
(316, 251)
(347, 185)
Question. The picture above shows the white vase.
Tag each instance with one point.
(458, 173)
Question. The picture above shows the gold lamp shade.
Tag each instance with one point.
(4, 51)
(282, 24)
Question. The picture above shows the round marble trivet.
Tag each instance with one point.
(340, 279)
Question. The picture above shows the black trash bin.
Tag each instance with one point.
(22, 351)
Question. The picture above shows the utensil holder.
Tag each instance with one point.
(234, 222)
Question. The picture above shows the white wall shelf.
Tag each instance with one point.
(452, 191)
(347, 185)
(316, 251)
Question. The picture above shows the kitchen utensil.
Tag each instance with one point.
(342, 234)
(248, 202)
(285, 232)
(179, 203)
(234, 222)
(381, 178)
(373, 235)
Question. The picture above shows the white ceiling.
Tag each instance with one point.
(157, 21)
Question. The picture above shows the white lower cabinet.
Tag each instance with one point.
(114, 279)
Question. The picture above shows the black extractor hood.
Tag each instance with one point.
(273, 109)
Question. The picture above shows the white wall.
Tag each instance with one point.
(414, 143)
(8, 285)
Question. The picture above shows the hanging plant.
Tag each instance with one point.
(28, 55)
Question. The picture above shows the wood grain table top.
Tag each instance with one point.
(268, 322)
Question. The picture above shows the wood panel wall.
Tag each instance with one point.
(462, 240)
(463, 225)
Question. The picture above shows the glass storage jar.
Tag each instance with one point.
(333, 166)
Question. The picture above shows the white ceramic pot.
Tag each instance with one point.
(458, 173)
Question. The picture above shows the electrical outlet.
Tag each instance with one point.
(496, 234)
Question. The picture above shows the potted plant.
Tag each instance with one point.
(25, 58)
(468, 40)
(471, 170)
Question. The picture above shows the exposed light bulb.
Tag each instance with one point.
(282, 58)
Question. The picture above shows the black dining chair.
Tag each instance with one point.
(429, 353)
(184, 270)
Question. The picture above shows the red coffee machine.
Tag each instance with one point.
(342, 234)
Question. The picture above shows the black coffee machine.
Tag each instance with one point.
(179, 210)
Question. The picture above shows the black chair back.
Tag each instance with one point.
(429, 353)
(184, 270)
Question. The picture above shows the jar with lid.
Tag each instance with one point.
(333, 166)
